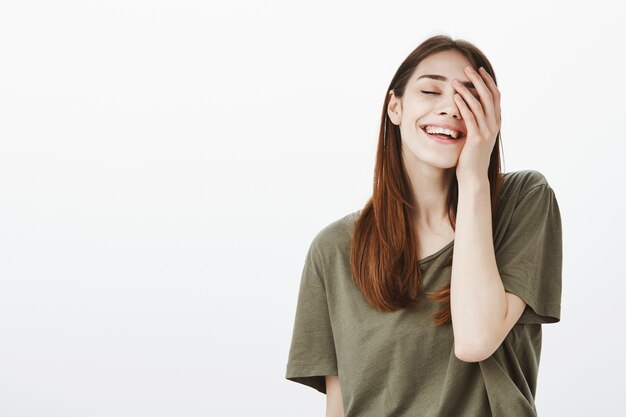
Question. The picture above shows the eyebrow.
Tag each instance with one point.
(438, 77)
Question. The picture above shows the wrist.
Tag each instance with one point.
(473, 182)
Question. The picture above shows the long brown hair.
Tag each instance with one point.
(383, 253)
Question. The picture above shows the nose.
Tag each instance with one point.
(451, 110)
(449, 107)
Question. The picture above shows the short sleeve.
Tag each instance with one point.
(530, 257)
(312, 353)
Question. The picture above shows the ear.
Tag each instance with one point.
(394, 109)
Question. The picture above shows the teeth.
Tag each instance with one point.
(436, 129)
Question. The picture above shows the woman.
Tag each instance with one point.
(429, 301)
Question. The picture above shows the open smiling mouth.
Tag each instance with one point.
(443, 138)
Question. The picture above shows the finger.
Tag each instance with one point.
(486, 97)
(473, 103)
(495, 92)
(468, 116)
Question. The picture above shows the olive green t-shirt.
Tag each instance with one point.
(401, 363)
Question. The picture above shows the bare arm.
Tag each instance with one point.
(482, 312)
(334, 402)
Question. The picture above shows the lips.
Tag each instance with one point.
(443, 139)
(445, 126)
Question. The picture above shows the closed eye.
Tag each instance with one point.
(428, 92)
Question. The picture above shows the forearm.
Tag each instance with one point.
(478, 302)
(334, 399)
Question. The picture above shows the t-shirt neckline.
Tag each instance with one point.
(434, 255)
(429, 257)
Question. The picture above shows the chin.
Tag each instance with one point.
(443, 165)
(435, 160)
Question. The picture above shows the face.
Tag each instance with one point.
(430, 101)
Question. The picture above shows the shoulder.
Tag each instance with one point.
(335, 235)
(331, 244)
(517, 184)
(529, 187)
(525, 179)
(527, 201)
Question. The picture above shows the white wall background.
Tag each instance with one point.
(165, 165)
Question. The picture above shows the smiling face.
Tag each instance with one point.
(429, 101)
